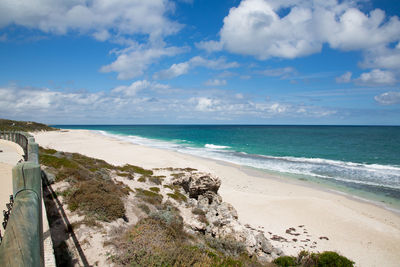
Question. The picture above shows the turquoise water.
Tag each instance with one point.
(359, 158)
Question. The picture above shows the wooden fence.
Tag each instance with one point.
(22, 244)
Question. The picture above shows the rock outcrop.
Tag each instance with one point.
(220, 219)
(197, 184)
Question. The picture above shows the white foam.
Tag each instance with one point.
(349, 172)
(212, 146)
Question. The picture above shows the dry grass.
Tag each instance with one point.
(156, 242)
(150, 197)
(97, 199)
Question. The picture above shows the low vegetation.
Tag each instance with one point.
(98, 199)
(92, 192)
(25, 126)
(148, 196)
(307, 259)
(160, 240)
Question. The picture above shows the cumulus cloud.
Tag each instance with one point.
(117, 21)
(345, 78)
(135, 87)
(382, 57)
(206, 104)
(376, 77)
(388, 98)
(91, 16)
(215, 82)
(256, 28)
(182, 68)
(133, 61)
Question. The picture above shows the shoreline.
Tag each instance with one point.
(381, 199)
(313, 185)
(364, 232)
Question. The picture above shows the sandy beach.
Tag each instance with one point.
(321, 220)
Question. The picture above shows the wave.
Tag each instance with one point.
(376, 175)
(212, 146)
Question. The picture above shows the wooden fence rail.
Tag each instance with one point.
(22, 244)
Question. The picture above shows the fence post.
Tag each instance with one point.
(33, 151)
(22, 242)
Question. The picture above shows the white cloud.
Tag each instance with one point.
(388, 98)
(256, 28)
(133, 61)
(382, 57)
(284, 73)
(345, 78)
(210, 46)
(217, 64)
(137, 86)
(102, 35)
(215, 82)
(183, 68)
(206, 104)
(174, 71)
(376, 77)
(91, 16)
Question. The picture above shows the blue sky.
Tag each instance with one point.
(200, 61)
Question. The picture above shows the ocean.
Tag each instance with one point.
(363, 161)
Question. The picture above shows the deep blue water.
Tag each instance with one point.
(365, 158)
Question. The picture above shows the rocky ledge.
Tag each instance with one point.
(219, 219)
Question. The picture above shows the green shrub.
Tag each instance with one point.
(178, 175)
(172, 187)
(227, 246)
(285, 261)
(333, 259)
(155, 189)
(49, 151)
(177, 196)
(135, 169)
(155, 242)
(149, 196)
(142, 179)
(91, 163)
(56, 162)
(156, 179)
(306, 259)
(97, 199)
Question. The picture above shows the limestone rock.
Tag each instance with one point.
(196, 184)
(220, 219)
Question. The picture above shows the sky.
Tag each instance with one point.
(200, 61)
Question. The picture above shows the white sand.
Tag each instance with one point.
(363, 232)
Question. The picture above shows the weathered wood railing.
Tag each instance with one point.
(22, 244)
